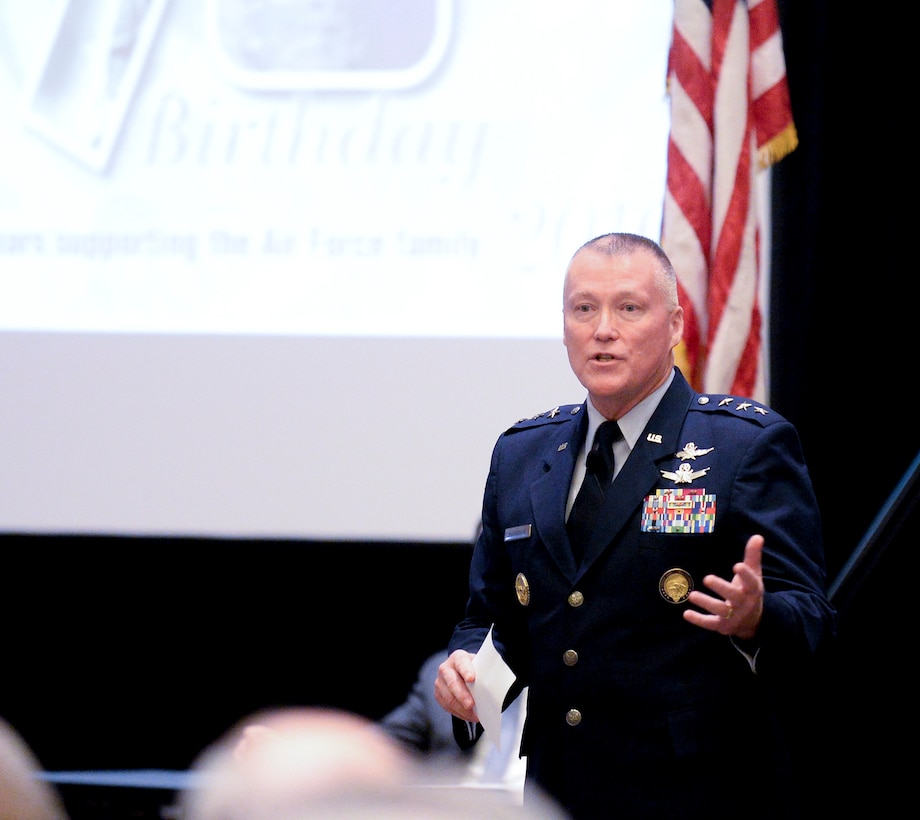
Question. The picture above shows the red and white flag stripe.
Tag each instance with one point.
(730, 118)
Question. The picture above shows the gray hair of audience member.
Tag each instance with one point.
(424, 802)
(281, 763)
(294, 764)
(23, 794)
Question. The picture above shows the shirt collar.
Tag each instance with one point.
(632, 423)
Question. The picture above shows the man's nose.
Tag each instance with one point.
(606, 324)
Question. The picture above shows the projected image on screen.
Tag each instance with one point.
(332, 44)
(391, 170)
(260, 171)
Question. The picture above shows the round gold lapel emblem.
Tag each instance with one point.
(522, 588)
(675, 585)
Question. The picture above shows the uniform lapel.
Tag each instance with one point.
(550, 493)
(640, 473)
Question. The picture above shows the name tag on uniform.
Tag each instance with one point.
(517, 533)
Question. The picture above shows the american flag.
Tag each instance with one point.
(730, 119)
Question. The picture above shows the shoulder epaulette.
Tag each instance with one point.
(554, 416)
(736, 406)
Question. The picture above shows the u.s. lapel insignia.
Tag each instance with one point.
(685, 474)
(522, 588)
(691, 451)
(675, 585)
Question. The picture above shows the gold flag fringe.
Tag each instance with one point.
(783, 144)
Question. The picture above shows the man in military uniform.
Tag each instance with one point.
(660, 643)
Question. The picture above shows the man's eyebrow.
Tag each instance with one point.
(628, 292)
(581, 293)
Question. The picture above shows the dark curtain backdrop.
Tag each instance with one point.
(843, 341)
(844, 291)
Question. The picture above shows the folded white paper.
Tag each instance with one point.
(493, 680)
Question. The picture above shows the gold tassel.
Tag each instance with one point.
(783, 144)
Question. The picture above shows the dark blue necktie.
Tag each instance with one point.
(598, 475)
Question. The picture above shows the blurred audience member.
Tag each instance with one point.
(23, 794)
(277, 763)
(294, 764)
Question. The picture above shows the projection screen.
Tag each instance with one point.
(288, 269)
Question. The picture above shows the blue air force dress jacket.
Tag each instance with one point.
(631, 709)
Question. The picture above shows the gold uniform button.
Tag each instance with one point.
(570, 657)
(573, 717)
(576, 598)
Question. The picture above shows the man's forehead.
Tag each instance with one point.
(605, 286)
